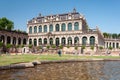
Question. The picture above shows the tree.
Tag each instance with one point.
(114, 36)
(6, 24)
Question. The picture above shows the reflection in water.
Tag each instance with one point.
(99, 70)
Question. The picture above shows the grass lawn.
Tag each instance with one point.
(9, 59)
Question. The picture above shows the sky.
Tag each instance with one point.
(102, 13)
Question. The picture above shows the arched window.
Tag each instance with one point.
(45, 40)
(76, 26)
(92, 40)
(14, 40)
(117, 45)
(8, 40)
(107, 44)
(76, 40)
(35, 42)
(30, 30)
(63, 27)
(51, 41)
(113, 45)
(69, 40)
(3, 38)
(40, 41)
(51, 28)
(30, 41)
(57, 27)
(57, 41)
(19, 41)
(63, 41)
(110, 44)
(24, 41)
(40, 29)
(69, 26)
(35, 29)
(84, 40)
(45, 28)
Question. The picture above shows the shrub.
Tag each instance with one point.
(100, 47)
(76, 47)
(48, 46)
(30, 46)
(1, 44)
(83, 47)
(8, 46)
(53, 46)
(61, 47)
(68, 46)
(110, 48)
(92, 47)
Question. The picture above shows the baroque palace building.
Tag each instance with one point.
(63, 29)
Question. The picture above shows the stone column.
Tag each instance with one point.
(42, 28)
(47, 28)
(60, 41)
(66, 26)
(72, 25)
(53, 27)
(72, 40)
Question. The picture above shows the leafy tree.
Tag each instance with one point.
(6, 24)
(110, 48)
(114, 36)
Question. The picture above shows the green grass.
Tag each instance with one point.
(9, 59)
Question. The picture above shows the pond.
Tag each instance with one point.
(92, 70)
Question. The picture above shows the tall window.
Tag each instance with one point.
(45, 28)
(57, 27)
(30, 41)
(63, 27)
(92, 40)
(8, 40)
(14, 40)
(63, 41)
(35, 29)
(40, 29)
(76, 40)
(45, 40)
(30, 30)
(76, 26)
(51, 41)
(117, 45)
(35, 42)
(84, 40)
(69, 40)
(57, 41)
(51, 28)
(40, 41)
(69, 26)
(19, 41)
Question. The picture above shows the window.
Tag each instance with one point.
(84, 40)
(63, 41)
(69, 40)
(30, 30)
(30, 41)
(63, 27)
(40, 41)
(45, 40)
(69, 26)
(57, 27)
(51, 28)
(76, 40)
(35, 29)
(45, 28)
(40, 29)
(92, 40)
(76, 26)
(35, 42)
(51, 41)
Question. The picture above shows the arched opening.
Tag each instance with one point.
(35, 42)
(40, 29)
(24, 41)
(92, 40)
(76, 40)
(117, 45)
(63, 41)
(8, 40)
(30, 30)
(51, 28)
(84, 40)
(69, 26)
(113, 45)
(76, 26)
(19, 41)
(30, 41)
(45, 28)
(35, 29)
(69, 40)
(57, 41)
(40, 41)
(51, 41)
(14, 40)
(3, 39)
(63, 27)
(57, 27)
(45, 41)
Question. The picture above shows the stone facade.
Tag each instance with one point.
(63, 29)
